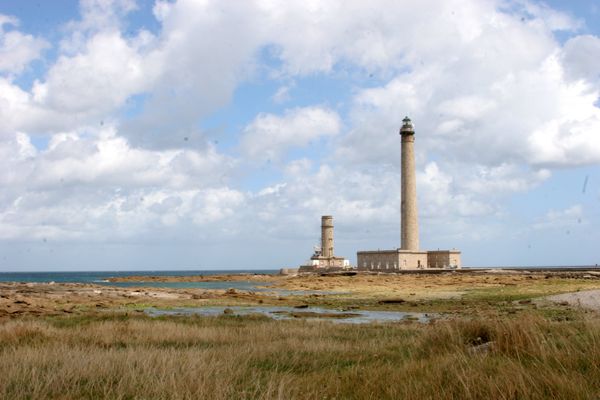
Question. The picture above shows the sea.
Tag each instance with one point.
(101, 278)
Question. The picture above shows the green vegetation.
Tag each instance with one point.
(497, 338)
(535, 354)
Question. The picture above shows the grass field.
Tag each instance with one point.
(532, 355)
(497, 338)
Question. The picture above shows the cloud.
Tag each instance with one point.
(291, 209)
(443, 197)
(567, 142)
(98, 80)
(366, 202)
(560, 219)
(579, 58)
(497, 125)
(80, 89)
(17, 50)
(97, 16)
(495, 55)
(269, 136)
(204, 50)
(316, 36)
(171, 79)
(282, 94)
(548, 17)
(498, 103)
(96, 185)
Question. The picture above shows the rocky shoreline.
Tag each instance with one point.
(374, 291)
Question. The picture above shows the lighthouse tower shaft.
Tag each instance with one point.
(409, 227)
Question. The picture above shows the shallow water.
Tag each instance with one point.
(284, 313)
(102, 276)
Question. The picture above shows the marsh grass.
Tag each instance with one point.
(114, 356)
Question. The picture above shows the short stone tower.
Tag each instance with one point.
(327, 236)
(324, 258)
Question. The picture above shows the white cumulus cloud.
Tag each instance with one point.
(17, 49)
(268, 136)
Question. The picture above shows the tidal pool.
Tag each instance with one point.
(309, 313)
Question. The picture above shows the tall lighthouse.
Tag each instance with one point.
(408, 256)
(409, 226)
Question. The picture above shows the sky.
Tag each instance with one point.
(200, 134)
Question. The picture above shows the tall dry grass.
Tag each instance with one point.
(253, 358)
